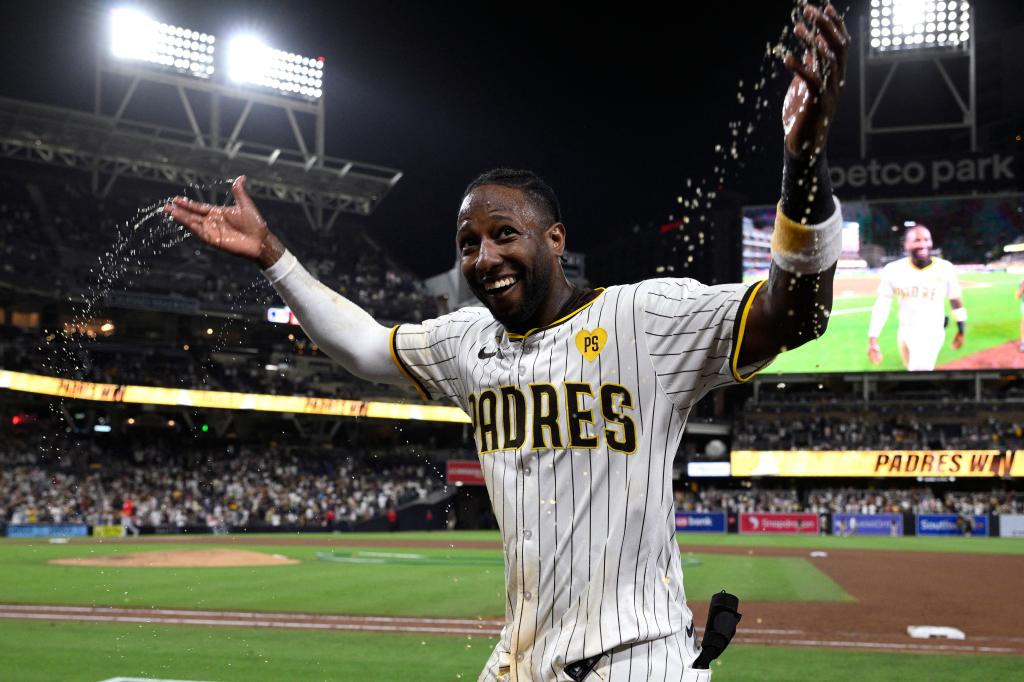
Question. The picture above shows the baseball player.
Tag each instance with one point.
(128, 519)
(921, 283)
(578, 397)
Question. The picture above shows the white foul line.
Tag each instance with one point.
(850, 311)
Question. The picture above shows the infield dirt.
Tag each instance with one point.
(194, 558)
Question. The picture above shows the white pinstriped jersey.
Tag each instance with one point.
(577, 425)
(922, 293)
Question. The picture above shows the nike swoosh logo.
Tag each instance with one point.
(483, 354)
(689, 631)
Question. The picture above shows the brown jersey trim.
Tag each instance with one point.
(739, 327)
(392, 341)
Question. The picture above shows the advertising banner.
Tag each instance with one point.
(140, 301)
(224, 400)
(867, 524)
(946, 524)
(1011, 525)
(282, 316)
(464, 472)
(47, 530)
(700, 522)
(878, 463)
(803, 523)
(707, 469)
(106, 531)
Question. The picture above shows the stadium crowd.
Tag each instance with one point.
(168, 489)
(67, 479)
(57, 240)
(26, 254)
(201, 364)
(923, 425)
(58, 237)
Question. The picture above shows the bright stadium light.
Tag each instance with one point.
(250, 61)
(915, 24)
(135, 36)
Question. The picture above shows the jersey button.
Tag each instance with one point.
(522, 369)
(527, 534)
(527, 596)
(520, 657)
(526, 471)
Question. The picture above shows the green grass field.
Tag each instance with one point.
(456, 589)
(86, 652)
(994, 319)
(446, 582)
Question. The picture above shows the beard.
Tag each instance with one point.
(536, 284)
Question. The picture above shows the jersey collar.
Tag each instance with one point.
(914, 265)
(564, 318)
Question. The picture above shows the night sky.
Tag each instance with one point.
(614, 107)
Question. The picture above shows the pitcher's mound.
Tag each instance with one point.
(196, 558)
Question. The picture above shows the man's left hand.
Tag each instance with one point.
(958, 341)
(813, 95)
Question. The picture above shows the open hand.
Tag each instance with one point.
(818, 76)
(239, 229)
(874, 353)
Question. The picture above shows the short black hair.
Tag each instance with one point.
(531, 184)
(908, 230)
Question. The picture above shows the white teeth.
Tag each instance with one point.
(497, 284)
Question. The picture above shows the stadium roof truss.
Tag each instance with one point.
(110, 146)
(878, 61)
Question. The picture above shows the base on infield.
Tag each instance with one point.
(198, 558)
(934, 632)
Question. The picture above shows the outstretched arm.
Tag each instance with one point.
(960, 316)
(343, 330)
(879, 314)
(792, 308)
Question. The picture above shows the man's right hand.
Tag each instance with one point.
(239, 229)
(874, 352)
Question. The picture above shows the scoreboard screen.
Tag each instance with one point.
(975, 258)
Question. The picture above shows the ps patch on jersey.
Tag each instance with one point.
(591, 343)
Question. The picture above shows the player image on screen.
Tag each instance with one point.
(921, 283)
(1020, 296)
(578, 397)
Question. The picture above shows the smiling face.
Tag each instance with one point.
(918, 245)
(509, 254)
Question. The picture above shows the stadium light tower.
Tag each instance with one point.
(140, 58)
(903, 31)
(134, 36)
(150, 51)
(251, 61)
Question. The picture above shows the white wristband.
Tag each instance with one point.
(960, 314)
(807, 249)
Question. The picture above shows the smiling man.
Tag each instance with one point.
(514, 274)
(921, 283)
(578, 397)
